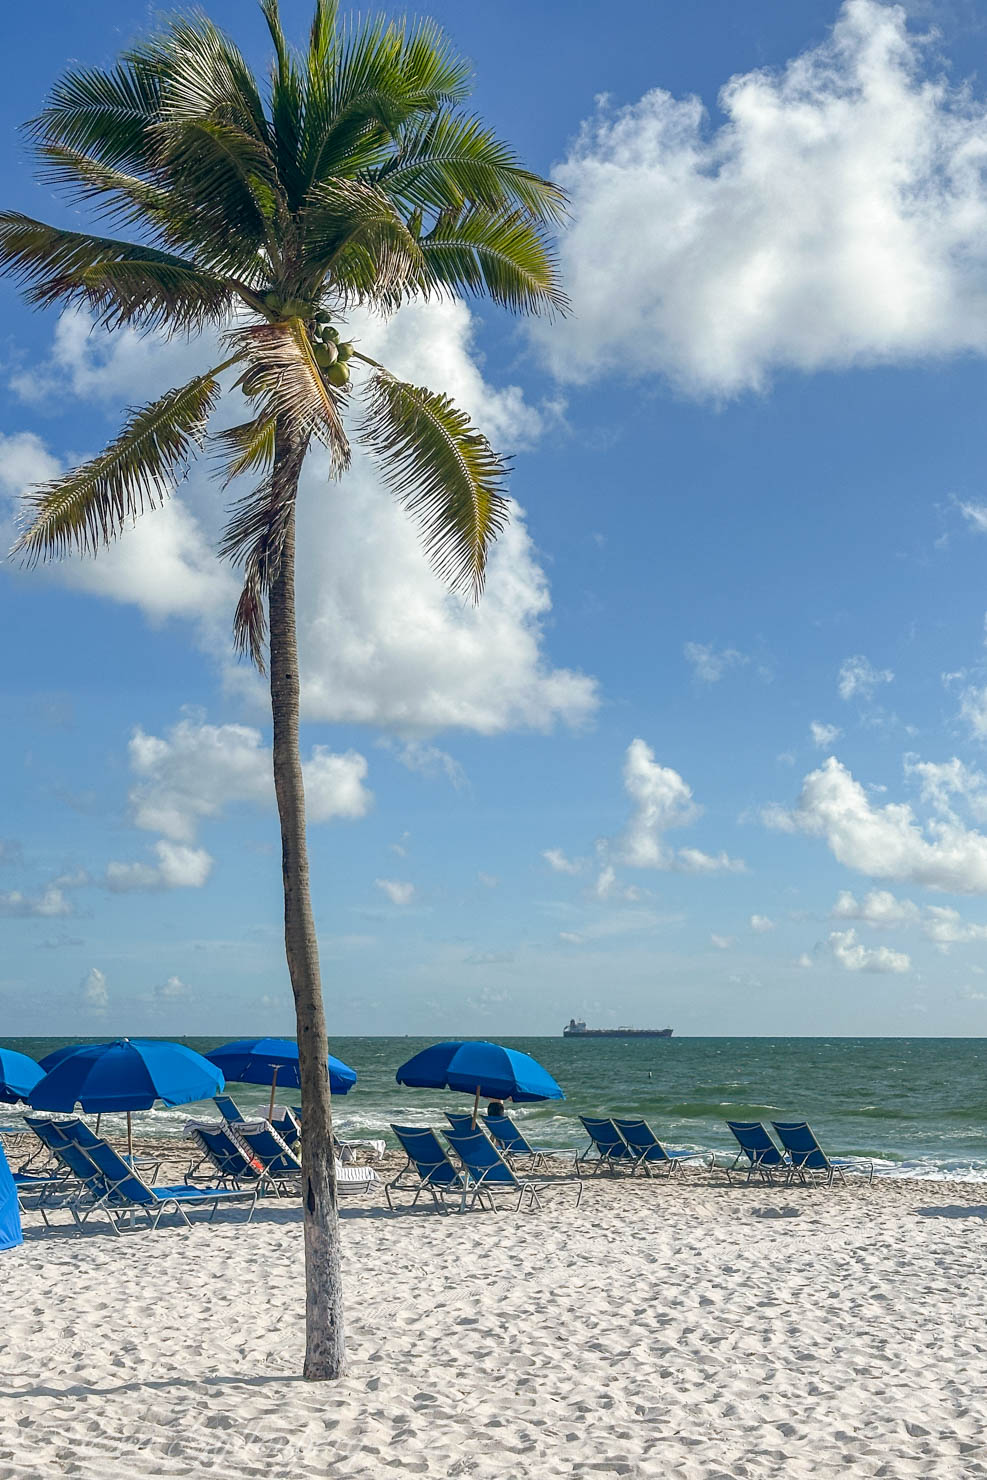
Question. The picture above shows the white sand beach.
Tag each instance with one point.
(660, 1330)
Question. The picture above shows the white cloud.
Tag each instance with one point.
(709, 665)
(172, 990)
(976, 516)
(836, 217)
(94, 990)
(942, 782)
(761, 924)
(859, 677)
(381, 641)
(198, 769)
(805, 962)
(886, 842)
(823, 735)
(558, 861)
(427, 760)
(852, 956)
(397, 891)
(722, 942)
(946, 928)
(661, 800)
(973, 709)
(879, 909)
(51, 902)
(178, 867)
(489, 881)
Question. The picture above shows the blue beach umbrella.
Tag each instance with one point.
(58, 1054)
(18, 1075)
(129, 1074)
(478, 1069)
(273, 1061)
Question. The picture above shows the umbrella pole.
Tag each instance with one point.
(476, 1104)
(274, 1085)
(98, 1119)
(130, 1135)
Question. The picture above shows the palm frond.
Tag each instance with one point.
(287, 109)
(444, 472)
(352, 235)
(452, 160)
(109, 115)
(119, 196)
(290, 385)
(254, 539)
(90, 505)
(322, 37)
(482, 251)
(120, 282)
(247, 448)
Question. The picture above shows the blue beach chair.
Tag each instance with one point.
(230, 1165)
(808, 1160)
(612, 1152)
(280, 1169)
(514, 1143)
(427, 1169)
(648, 1152)
(228, 1109)
(757, 1154)
(487, 1171)
(127, 1192)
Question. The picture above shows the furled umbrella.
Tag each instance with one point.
(18, 1075)
(129, 1074)
(478, 1068)
(273, 1061)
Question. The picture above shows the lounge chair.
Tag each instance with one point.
(487, 1172)
(648, 1152)
(281, 1168)
(127, 1192)
(808, 1160)
(514, 1143)
(757, 1156)
(228, 1109)
(231, 1165)
(612, 1151)
(427, 1169)
(286, 1120)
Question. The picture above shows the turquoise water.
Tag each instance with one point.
(919, 1106)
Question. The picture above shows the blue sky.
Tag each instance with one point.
(711, 752)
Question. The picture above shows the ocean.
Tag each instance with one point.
(917, 1106)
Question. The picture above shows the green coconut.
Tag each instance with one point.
(321, 317)
(330, 332)
(338, 374)
(325, 356)
(344, 351)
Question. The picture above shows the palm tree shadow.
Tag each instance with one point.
(953, 1210)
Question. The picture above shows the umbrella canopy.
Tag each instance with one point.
(18, 1075)
(480, 1069)
(58, 1054)
(130, 1074)
(274, 1060)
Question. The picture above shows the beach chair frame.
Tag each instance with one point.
(612, 1152)
(650, 1156)
(221, 1149)
(757, 1155)
(126, 1193)
(809, 1162)
(431, 1168)
(487, 1171)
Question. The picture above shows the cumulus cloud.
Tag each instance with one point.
(709, 665)
(822, 735)
(852, 956)
(197, 769)
(880, 909)
(661, 800)
(722, 942)
(836, 217)
(973, 711)
(95, 993)
(398, 891)
(178, 867)
(561, 864)
(858, 678)
(944, 784)
(884, 842)
(381, 641)
(51, 902)
(427, 760)
(172, 990)
(761, 924)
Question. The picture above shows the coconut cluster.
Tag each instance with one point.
(331, 353)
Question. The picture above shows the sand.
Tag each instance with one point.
(679, 1330)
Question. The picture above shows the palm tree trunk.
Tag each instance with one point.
(324, 1336)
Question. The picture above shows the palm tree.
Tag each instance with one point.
(265, 214)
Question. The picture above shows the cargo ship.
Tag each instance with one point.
(578, 1029)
